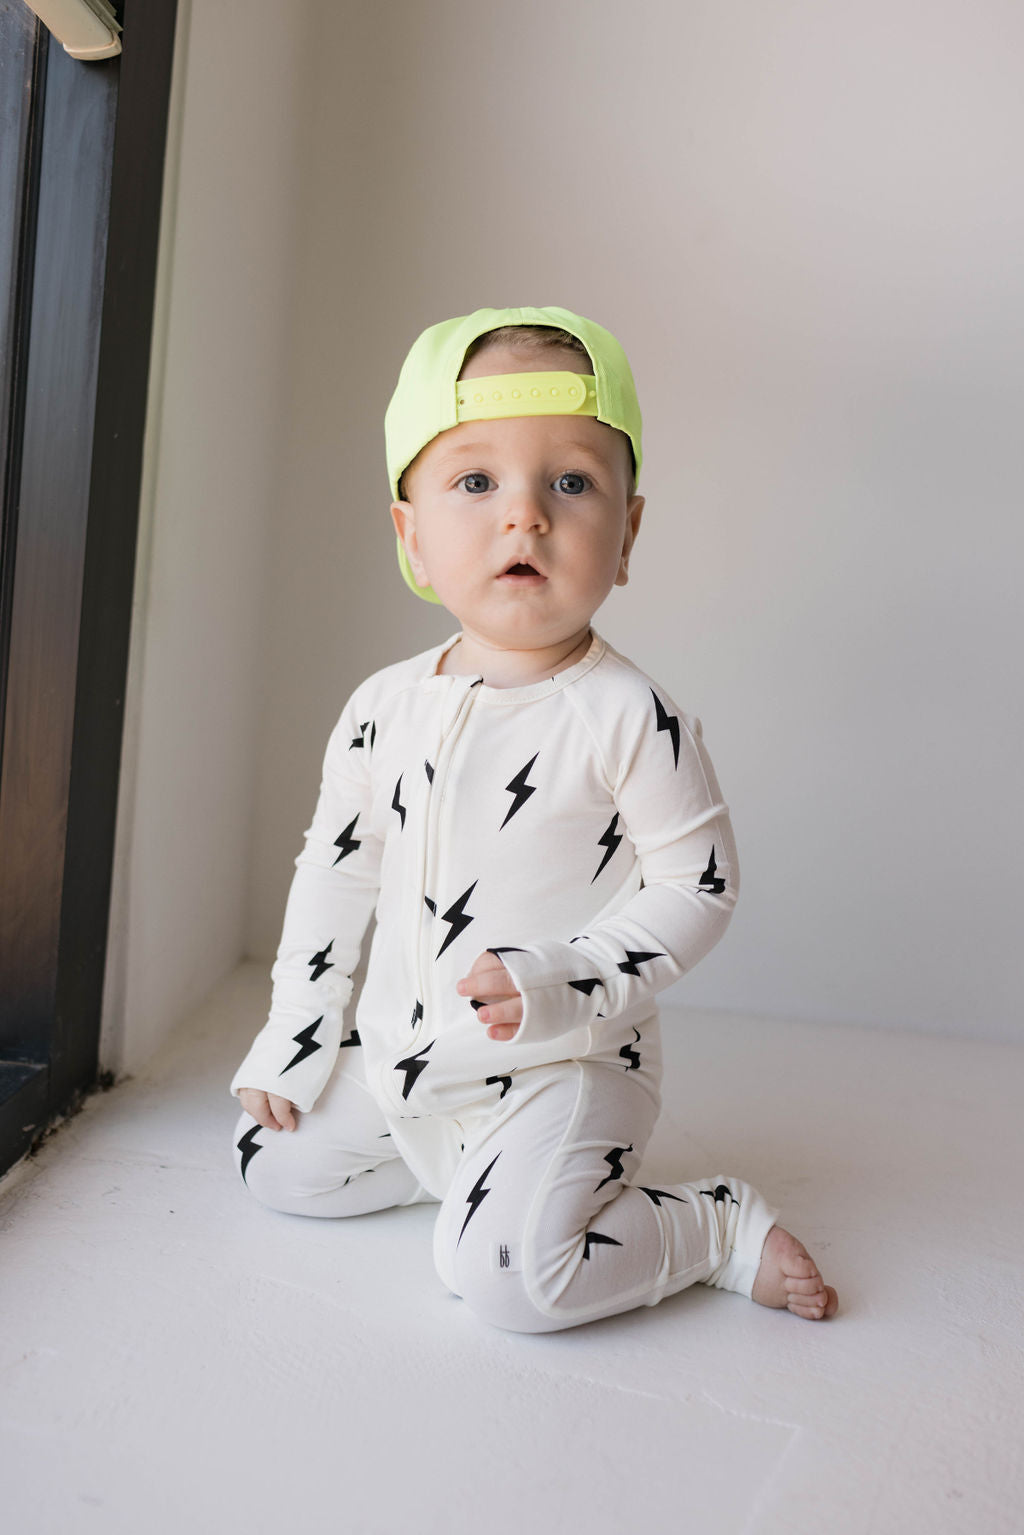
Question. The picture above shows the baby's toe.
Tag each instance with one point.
(800, 1265)
(815, 1308)
(812, 1285)
(809, 1313)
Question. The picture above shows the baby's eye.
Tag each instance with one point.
(475, 482)
(572, 483)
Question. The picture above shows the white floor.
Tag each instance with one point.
(175, 1357)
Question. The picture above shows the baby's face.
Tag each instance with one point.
(522, 526)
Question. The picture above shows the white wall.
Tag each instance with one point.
(803, 223)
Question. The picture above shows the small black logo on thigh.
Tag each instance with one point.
(503, 1257)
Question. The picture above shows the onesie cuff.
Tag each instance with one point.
(751, 1220)
(265, 1077)
(293, 1056)
(560, 992)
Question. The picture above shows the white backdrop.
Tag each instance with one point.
(804, 223)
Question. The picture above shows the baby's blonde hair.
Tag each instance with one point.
(531, 336)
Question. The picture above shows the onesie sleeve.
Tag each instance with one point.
(333, 893)
(670, 806)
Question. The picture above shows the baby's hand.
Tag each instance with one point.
(490, 982)
(272, 1112)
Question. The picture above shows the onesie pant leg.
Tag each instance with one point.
(340, 1160)
(544, 1228)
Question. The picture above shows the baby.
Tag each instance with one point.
(540, 833)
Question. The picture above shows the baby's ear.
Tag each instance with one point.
(404, 518)
(634, 512)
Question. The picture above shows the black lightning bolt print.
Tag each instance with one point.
(477, 1195)
(396, 803)
(429, 771)
(597, 1239)
(430, 905)
(320, 962)
(629, 1055)
(508, 949)
(709, 880)
(360, 739)
(346, 841)
(417, 1014)
(249, 1146)
(609, 841)
(657, 1195)
(412, 1066)
(521, 789)
(506, 1083)
(614, 1160)
(629, 965)
(307, 1044)
(353, 1039)
(456, 915)
(667, 722)
(586, 986)
(720, 1193)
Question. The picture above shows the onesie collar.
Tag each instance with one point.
(497, 697)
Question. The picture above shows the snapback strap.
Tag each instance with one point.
(526, 394)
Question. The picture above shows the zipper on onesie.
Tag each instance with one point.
(455, 710)
(431, 863)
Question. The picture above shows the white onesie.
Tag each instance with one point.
(574, 827)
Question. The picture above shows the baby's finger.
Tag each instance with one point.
(503, 1031)
(256, 1105)
(484, 961)
(490, 979)
(283, 1111)
(502, 1012)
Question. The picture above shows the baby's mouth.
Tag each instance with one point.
(522, 573)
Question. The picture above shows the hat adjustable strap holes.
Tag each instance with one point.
(526, 394)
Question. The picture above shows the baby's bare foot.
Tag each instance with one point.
(789, 1277)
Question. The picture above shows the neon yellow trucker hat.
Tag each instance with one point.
(426, 400)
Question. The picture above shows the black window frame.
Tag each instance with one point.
(79, 320)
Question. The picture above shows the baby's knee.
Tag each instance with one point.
(305, 1172)
(252, 1157)
(495, 1288)
(278, 1167)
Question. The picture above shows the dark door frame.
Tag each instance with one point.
(76, 371)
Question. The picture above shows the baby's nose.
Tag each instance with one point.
(526, 511)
